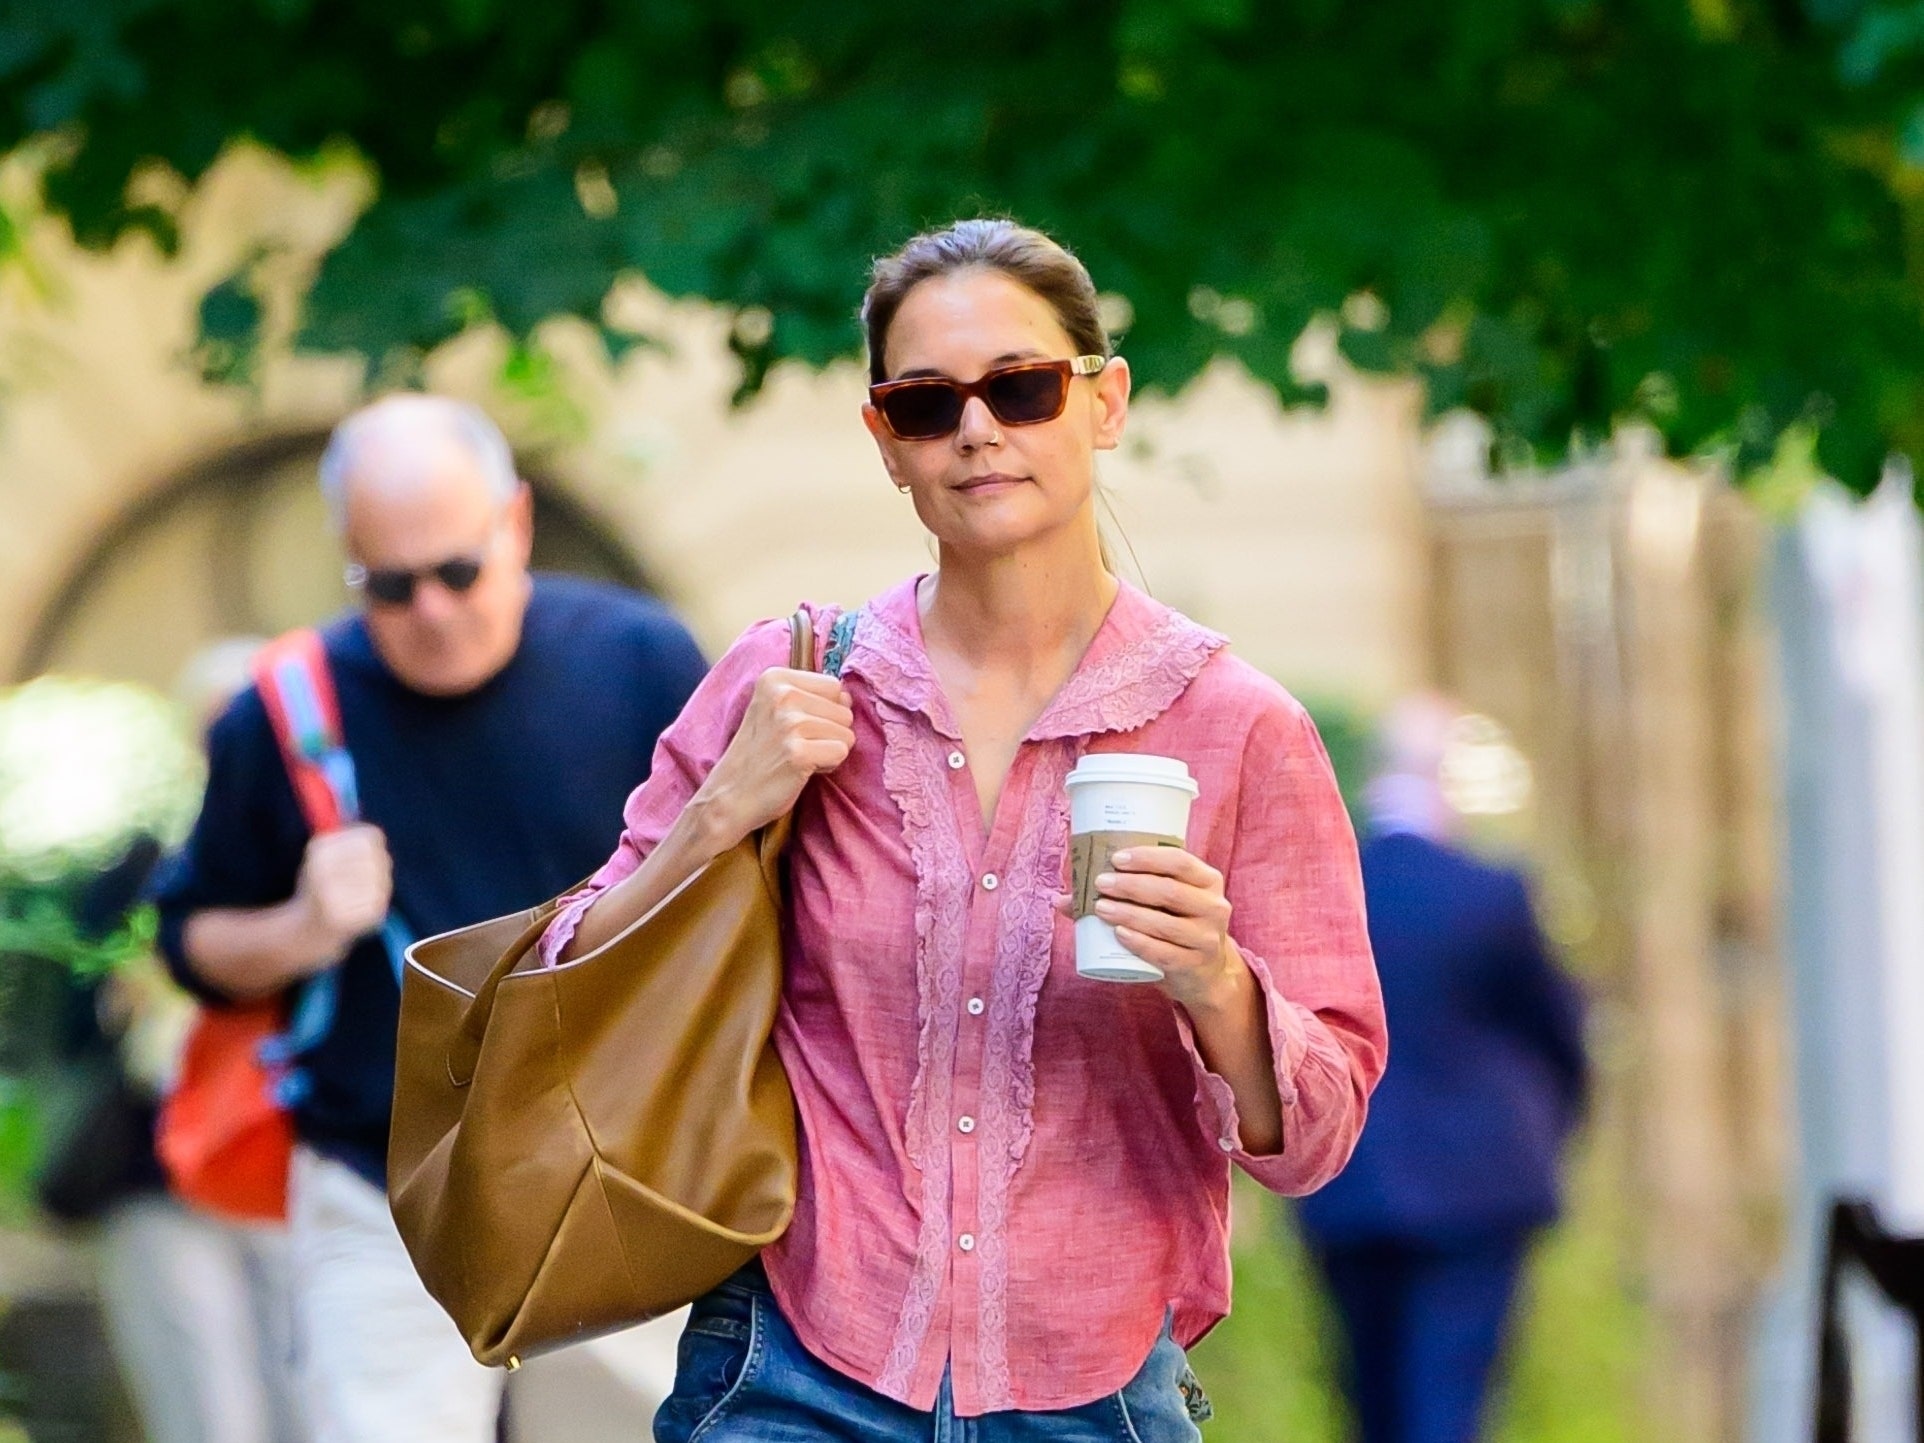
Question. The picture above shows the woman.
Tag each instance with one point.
(1014, 1191)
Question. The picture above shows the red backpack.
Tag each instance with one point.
(225, 1136)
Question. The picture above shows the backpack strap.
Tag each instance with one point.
(297, 690)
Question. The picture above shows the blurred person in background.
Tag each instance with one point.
(197, 1307)
(463, 685)
(1423, 1237)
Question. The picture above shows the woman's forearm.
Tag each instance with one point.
(1232, 1033)
(696, 839)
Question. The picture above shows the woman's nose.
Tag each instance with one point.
(978, 426)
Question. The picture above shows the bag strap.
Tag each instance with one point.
(801, 642)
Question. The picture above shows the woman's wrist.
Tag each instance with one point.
(707, 827)
(1229, 993)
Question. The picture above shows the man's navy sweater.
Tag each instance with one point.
(491, 802)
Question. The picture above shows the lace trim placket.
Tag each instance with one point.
(911, 771)
(1024, 947)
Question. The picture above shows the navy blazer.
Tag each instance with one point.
(1487, 1073)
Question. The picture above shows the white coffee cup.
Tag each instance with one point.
(1145, 797)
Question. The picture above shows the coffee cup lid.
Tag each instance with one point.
(1139, 767)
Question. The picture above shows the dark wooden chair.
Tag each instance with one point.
(1896, 1265)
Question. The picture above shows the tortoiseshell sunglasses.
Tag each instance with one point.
(923, 408)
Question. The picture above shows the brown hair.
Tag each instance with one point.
(1025, 256)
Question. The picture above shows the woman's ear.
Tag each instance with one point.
(1112, 403)
(878, 428)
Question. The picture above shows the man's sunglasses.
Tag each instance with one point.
(922, 408)
(394, 585)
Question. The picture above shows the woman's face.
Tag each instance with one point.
(990, 487)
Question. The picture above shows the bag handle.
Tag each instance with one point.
(464, 1048)
(801, 641)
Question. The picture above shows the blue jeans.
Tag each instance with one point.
(742, 1374)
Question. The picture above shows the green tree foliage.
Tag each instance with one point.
(1559, 212)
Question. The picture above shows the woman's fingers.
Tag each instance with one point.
(1174, 862)
(1167, 955)
(1167, 906)
(808, 717)
(794, 709)
(1164, 892)
(807, 683)
(820, 756)
(818, 729)
(1178, 931)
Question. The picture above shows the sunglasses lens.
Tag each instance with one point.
(920, 412)
(390, 588)
(459, 574)
(1023, 397)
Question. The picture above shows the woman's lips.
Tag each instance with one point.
(995, 481)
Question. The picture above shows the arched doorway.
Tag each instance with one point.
(238, 546)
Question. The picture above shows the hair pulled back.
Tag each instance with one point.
(1024, 255)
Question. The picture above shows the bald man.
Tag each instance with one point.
(497, 720)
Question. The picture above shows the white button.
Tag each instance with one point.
(990, 882)
(965, 1124)
(1225, 1144)
(975, 1007)
(957, 761)
(966, 1242)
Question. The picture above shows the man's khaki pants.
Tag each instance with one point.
(381, 1363)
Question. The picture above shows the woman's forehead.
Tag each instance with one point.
(969, 320)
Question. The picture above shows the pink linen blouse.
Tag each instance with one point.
(1009, 1171)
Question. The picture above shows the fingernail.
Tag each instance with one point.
(1107, 879)
(1122, 859)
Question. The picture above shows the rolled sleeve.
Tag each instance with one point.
(1295, 889)
(1215, 1099)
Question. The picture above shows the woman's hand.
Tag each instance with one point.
(1167, 906)
(799, 724)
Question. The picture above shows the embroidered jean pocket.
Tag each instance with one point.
(1161, 1403)
(1201, 1410)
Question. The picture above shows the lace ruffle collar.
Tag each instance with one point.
(1142, 659)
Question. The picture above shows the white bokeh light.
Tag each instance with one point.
(1482, 774)
(84, 766)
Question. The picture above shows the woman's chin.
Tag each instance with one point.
(994, 525)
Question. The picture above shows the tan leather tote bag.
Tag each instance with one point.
(583, 1147)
